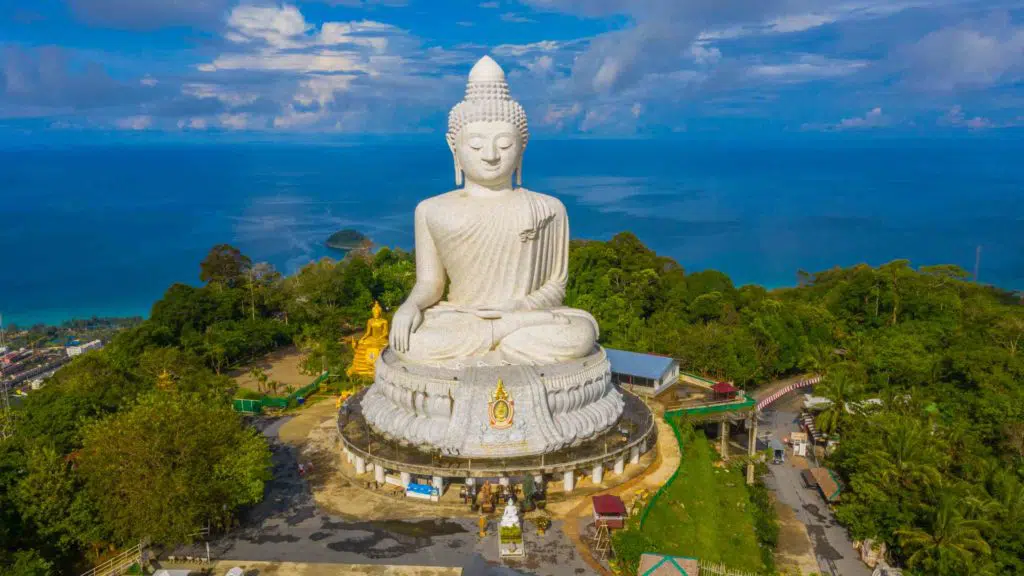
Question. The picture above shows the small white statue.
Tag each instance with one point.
(504, 250)
(510, 517)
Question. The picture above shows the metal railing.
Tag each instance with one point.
(121, 563)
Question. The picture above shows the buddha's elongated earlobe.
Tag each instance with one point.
(458, 172)
(519, 172)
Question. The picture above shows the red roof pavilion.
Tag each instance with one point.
(724, 388)
(610, 509)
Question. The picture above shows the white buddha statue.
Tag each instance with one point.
(510, 516)
(504, 250)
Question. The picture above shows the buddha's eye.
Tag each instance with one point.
(504, 142)
(476, 142)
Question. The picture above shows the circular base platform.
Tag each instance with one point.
(633, 434)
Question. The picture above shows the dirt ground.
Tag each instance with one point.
(338, 489)
(281, 366)
(327, 569)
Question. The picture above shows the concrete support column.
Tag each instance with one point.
(752, 446)
(406, 479)
(620, 464)
(360, 465)
(568, 481)
(378, 474)
(598, 474)
(504, 481)
(723, 437)
(439, 484)
(634, 455)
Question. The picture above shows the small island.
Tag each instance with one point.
(348, 240)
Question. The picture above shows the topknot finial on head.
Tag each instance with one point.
(486, 70)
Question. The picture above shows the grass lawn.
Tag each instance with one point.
(705, 513)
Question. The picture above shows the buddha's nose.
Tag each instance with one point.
(490, 153)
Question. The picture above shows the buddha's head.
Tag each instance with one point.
(487, 131)
(376, 310)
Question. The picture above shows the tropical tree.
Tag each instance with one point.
(842, 385)
(171, 464)
(948, 544)
(225, 266)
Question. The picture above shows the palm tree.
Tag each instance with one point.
(818, 358)
(908, 456)
(841, 387)
(948, 545)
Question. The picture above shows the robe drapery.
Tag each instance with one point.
(495, 250)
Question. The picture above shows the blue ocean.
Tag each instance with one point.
(105, 229)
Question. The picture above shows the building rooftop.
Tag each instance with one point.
(609, 505)
(724, 388)
(637, 364)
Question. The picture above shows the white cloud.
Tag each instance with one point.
(278, 26)
(234, 121)
(873, 118)
(225, 95)
(636, 110)
(702, 54)
(966, 58)
(322, 89)
(141, 122)
(278, 38)
(956, 117)
(148, 80)
(557, 114)
(193, 124)
(807, 67)
(515, 18)
(317, 62)
(489, 5)
(523, 49)
(542, 65)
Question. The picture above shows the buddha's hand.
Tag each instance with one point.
(407, 319)
(494, 312)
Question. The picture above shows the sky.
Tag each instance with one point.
(200, 69)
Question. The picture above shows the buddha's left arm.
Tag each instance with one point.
(552, 293)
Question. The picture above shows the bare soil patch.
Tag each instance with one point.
(281, 365)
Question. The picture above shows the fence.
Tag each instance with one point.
(764, 403)
(722, 570)
(255, 406)
(121, 563)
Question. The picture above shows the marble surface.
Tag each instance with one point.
(450, 409)
(500, 252)
(498, 255)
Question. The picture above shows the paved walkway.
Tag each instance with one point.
(289, 526)
(579, 515)
(832, 548)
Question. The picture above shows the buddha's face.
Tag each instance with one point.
(488, 152)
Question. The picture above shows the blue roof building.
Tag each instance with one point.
(646, 374)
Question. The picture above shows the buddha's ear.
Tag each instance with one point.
(458, 169)
(519, 172)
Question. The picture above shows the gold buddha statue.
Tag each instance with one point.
(369, 347)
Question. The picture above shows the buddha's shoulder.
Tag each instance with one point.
(433, 204)
(551, 202)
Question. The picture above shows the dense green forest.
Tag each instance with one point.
(935, 472)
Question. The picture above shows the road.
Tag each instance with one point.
(832, 546)
(287, 526)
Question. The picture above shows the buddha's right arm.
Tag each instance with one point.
(429, 271)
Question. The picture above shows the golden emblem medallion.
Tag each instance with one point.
(501, 408)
